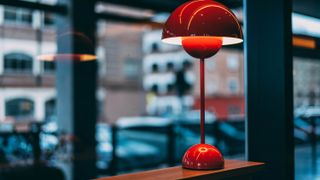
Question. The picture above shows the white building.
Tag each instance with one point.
(26, 84)
(160, 65)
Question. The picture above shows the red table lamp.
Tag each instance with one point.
(202, 27)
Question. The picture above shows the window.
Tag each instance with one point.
(49, 66)
(50, 110)
(48, 19)
(233, 85)
(154, 68)
(234, 110)
(186, 64)
(131, 68)
(232, 62)
(155, 88)
(155, 47)
(17, 16)
(20, 108)
(210, 64)
(170, 87)
(17, 62)
(211, 87)
(170, 66)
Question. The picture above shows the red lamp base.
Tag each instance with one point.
(203, 157)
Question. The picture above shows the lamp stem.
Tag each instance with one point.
(202, 101)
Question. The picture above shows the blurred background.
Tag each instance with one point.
(147, 94)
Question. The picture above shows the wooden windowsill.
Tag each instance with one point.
(233, 169)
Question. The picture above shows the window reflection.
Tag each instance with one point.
(17, 63)
(20, 109)
(16, 16)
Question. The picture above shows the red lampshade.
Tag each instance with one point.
(202, 18)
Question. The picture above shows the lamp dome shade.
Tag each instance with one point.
(202, 18)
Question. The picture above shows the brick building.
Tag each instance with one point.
(224, 84)
(120, 51)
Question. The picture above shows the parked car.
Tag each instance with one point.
(135, 147)
(307, 111)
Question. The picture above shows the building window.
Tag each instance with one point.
(232, 62)
(210, 64)
(131, 68)
(17, 16)
(17, 63)
(154, 47)
(186, 64)
(50, 110)
(20, 109)
(49, 66)
(233, 86)
(170, 87)
(234, 110)
(155, 88)
(211, 87)
(48, 19)
(154, 68)
(170, 66)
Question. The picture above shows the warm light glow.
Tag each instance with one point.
(75, 57)
(225, 40)
(201, 46)
(304, 42)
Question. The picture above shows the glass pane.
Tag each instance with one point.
(19, 108)
(18, 63)
(13, 15)
(306, 71)
(49, 19)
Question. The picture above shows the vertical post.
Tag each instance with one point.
(2, 105)
(2, 61)
(114, 162)
(76, 88)
(269, 91)
(1, 44)
(35, 134)
(202, 101)
(313, 139)
(1, 14)
(171, 150)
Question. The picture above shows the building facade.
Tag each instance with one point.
(120, 62)
(26, 84)
(168, 76)
(224, 74)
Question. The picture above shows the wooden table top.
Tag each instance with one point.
(233, 168)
